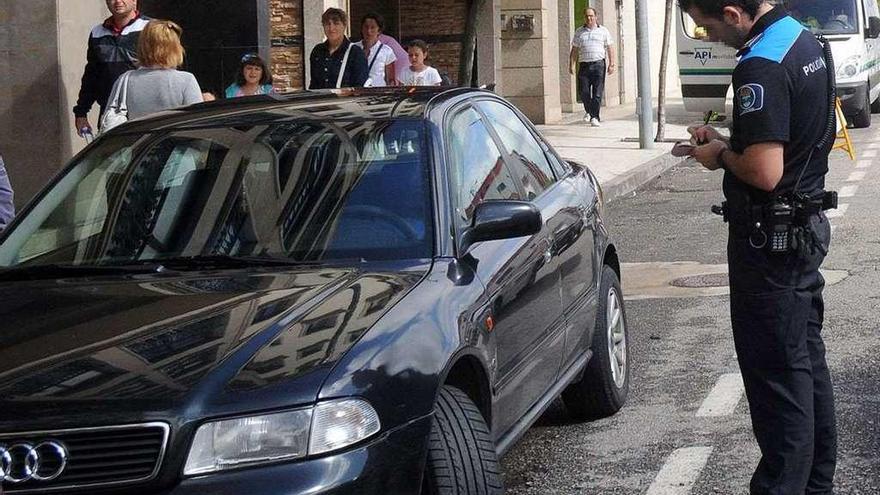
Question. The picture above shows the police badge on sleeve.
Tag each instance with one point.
(750, 98)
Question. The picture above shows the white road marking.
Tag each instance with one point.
(680, 472)
(855, 176)
(724, 397)
(870, 154)
(847, 191)
(863, 164)
(837, 213)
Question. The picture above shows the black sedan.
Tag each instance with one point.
(365, 291)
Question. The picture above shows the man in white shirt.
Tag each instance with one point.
(592, 45)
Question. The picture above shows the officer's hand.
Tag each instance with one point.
(703, 134)
(709, 154)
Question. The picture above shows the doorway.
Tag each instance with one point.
(216, 35)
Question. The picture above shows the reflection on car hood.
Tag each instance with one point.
(157, 344)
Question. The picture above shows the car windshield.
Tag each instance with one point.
(826, 16)
(299, 190)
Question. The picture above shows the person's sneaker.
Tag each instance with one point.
(587, 117)
(595, 122)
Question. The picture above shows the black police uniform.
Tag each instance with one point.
(781, 95)
(325, 66)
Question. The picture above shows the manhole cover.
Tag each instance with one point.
(702, 281)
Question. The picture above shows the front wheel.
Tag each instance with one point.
(461, 453)
(875, 106)
(862, 119)
(604, 386)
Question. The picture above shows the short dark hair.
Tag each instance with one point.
(418, 44)
(334, 14)
(380, 21)
(715, 8)
(256, 61)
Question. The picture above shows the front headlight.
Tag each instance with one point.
(850, 66)
(237, 442)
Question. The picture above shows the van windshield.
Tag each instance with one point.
(826, 16)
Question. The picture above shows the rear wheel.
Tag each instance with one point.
(461, 453)
(604, 386)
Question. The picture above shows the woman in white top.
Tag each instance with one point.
(417, 73)
(156, 84)
(380, 57)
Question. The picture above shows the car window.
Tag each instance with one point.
(560, 167)
(477, 169)
(303, 190)
(531, 166)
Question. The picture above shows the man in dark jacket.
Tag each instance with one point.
(7, 207)
(112, 51)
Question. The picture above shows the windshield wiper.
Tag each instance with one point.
(226, 261)
(58, 270)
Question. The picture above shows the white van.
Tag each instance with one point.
(852, 27)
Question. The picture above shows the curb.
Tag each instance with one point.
(641, 174)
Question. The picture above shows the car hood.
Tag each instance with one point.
(152, 347)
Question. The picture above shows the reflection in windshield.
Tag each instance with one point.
(826, 16)
(301, 190)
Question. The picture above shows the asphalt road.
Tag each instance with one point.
(683, 362)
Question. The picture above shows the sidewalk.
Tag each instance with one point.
(620, 165)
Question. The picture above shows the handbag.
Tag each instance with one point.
(117, 112)
(342, 67)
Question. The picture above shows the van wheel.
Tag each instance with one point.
(862, 119)
(875, 107)
(461, 453)
(604, 386)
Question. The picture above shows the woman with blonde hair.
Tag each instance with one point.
(156, 84)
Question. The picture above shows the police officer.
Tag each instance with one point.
(774, 170)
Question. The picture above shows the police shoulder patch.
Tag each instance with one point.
(750, 98)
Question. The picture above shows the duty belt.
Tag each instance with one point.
(781, 225)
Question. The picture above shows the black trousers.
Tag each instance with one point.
(591, 78)
(777, 311)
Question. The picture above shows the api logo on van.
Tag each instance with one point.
(703, 55)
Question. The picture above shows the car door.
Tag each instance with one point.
(520, 278)
(566, 212)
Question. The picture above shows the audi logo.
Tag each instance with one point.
(21, 462)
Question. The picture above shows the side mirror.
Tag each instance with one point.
(873, 27)
(494, 220)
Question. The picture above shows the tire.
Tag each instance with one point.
(461, 453)
(875, 107)
(862, 119)
(603, 388)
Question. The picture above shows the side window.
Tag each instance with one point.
(561, 168)
(691, 29)
(530, 165)
(477, 170)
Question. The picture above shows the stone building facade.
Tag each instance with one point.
(288, 52)
(522, 48)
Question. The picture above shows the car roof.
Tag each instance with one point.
(344, 104)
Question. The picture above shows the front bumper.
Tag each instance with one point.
(391, 463)
(853, 97)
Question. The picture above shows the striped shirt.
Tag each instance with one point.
(592, 43)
